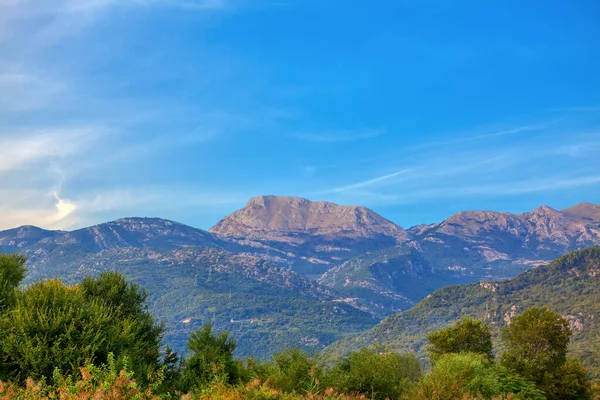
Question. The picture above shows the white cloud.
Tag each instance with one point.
(19, 149)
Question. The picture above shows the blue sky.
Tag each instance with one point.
(184, 109)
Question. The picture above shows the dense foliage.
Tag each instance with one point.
(466, 336)
(97, 340)
(52, 326)
(265, 307)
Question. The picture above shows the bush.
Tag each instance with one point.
(517, 386)
(12, 272)
(458, 376)
(92, 382)
(294, 371)
(212, 358)
(53, 325)
(377, 375)
(466, 336)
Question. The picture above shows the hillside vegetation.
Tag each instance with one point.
(97, 340)
(570, 285)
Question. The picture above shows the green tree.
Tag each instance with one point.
(52, 326)
(466, 336)
(536, 348)
(212, 356)
(386, 375)
(459, 376)
(536, 343)
(568, 382)
(12, 272)
(294, 371)
(126, 300)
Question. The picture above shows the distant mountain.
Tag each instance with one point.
(541, 234)
(192, 280)
(311, 236)
(23, 237)
(569, 285)
(361, 262)
(387, 281)
(467, 247)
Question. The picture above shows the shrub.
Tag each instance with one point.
(212, 357)
(294, 371)
(466, 336)
(377, 375)
(53, 325)
(458, 376)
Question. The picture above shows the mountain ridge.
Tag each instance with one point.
(569, 285)
(368, 266)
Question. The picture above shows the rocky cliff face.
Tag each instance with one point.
(279, 217)
(310, 237)
(541, 234)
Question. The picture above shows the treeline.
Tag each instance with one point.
(97, 340)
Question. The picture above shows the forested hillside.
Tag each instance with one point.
(570, 285)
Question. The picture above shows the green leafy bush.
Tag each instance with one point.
(466, 336)
(458, 376)
(211, 358)
(378, 375)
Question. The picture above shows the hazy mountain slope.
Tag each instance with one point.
(264, 306)
(388, 281)
(570, 285)
(23, 237)
(313, 236)
(484, 237)
(465, 248)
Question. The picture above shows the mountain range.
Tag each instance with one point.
(287, 271)
(570, 285)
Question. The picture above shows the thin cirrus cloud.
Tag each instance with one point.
(78, 6)
(371, 182)
(18, 149)
(467, 167)
(505, 189)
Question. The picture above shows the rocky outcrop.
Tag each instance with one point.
(273, 217)
(309, 236)
(543, 233)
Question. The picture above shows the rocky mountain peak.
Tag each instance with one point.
(544, 211)
(293, 214)
(584, 211)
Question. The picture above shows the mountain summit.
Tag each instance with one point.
(309, 236)
(275, 214)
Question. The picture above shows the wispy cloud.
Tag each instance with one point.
(516, 188)
(22, 90)
(86, 6)
(18, 149)
(465, 168)
(336, 136)
(371, 182)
